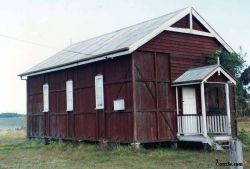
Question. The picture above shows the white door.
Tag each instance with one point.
(189, 122)
(189, 100)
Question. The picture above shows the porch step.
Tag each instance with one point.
(212, 143)
(225, 146)
(220, 142)
(222, 138)
(223, 141)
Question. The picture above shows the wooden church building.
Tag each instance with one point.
(149, 82)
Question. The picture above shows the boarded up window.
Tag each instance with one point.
(45, 97)
(69, 95)
(99, 96)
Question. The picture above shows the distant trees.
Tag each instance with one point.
(8, 115)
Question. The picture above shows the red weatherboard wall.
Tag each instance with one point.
(185, 50)
(84, 123)
(157, 64)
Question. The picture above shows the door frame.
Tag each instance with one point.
(194, 91)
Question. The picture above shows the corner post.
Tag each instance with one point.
(228, 108)
(203, 109)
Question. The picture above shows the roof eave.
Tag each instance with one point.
(185, 83)
(119, 52)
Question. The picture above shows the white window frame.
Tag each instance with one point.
(69, 95)
(99, 93)
(46, 97)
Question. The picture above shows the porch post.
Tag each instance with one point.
(228, 108)
(177, 110)
(203, 110)
(177, 100)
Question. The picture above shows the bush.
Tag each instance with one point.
(244, 137)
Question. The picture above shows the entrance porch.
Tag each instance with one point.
(204, 104)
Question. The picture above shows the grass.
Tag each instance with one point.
(244, 130)
(18, 152)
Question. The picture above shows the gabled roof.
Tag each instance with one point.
(120, 42)
(201, 74)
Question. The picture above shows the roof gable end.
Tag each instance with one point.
(202, 74)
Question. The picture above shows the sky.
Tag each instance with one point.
(58, 23)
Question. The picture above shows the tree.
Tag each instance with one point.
(232, 62)
(235, 64)
(245, 76)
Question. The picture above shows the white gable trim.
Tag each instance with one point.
(191, 20)
(219, 69)
(173, 20)
(211, 30)
(160, 29)
(190, 31)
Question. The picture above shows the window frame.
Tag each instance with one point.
(69, 95)
(46, 97)
(99, 92)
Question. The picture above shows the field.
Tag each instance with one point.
(12, 123)
(17, 152)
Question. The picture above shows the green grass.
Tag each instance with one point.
(244, 130)
(18, 152)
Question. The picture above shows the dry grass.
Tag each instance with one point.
(17, 152)
(244, 123)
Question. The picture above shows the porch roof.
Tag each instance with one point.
(201, 74)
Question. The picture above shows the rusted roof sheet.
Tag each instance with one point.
(196, 74)
(114, 42)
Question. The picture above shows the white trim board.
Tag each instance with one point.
(211, 30)
(110, 56)
(166, 26)
(190, 31)
(219, 69)
(160, 29)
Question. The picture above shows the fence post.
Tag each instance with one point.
(235, 154)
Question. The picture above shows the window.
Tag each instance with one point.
(99, 96)
(45, 97)
(69, 95)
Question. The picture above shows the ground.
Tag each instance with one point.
(18, 152)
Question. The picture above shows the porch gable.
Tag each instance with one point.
(204, 74)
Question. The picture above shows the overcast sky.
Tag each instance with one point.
(58, 22)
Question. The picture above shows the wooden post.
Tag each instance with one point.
(228, 109)
(136, 145)
(235, 154)
(177, 109)
(203, 109)
(177, 100)
(191, 19)
(134, 98)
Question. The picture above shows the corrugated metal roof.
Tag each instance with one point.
(196, 74)
(116, 41)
